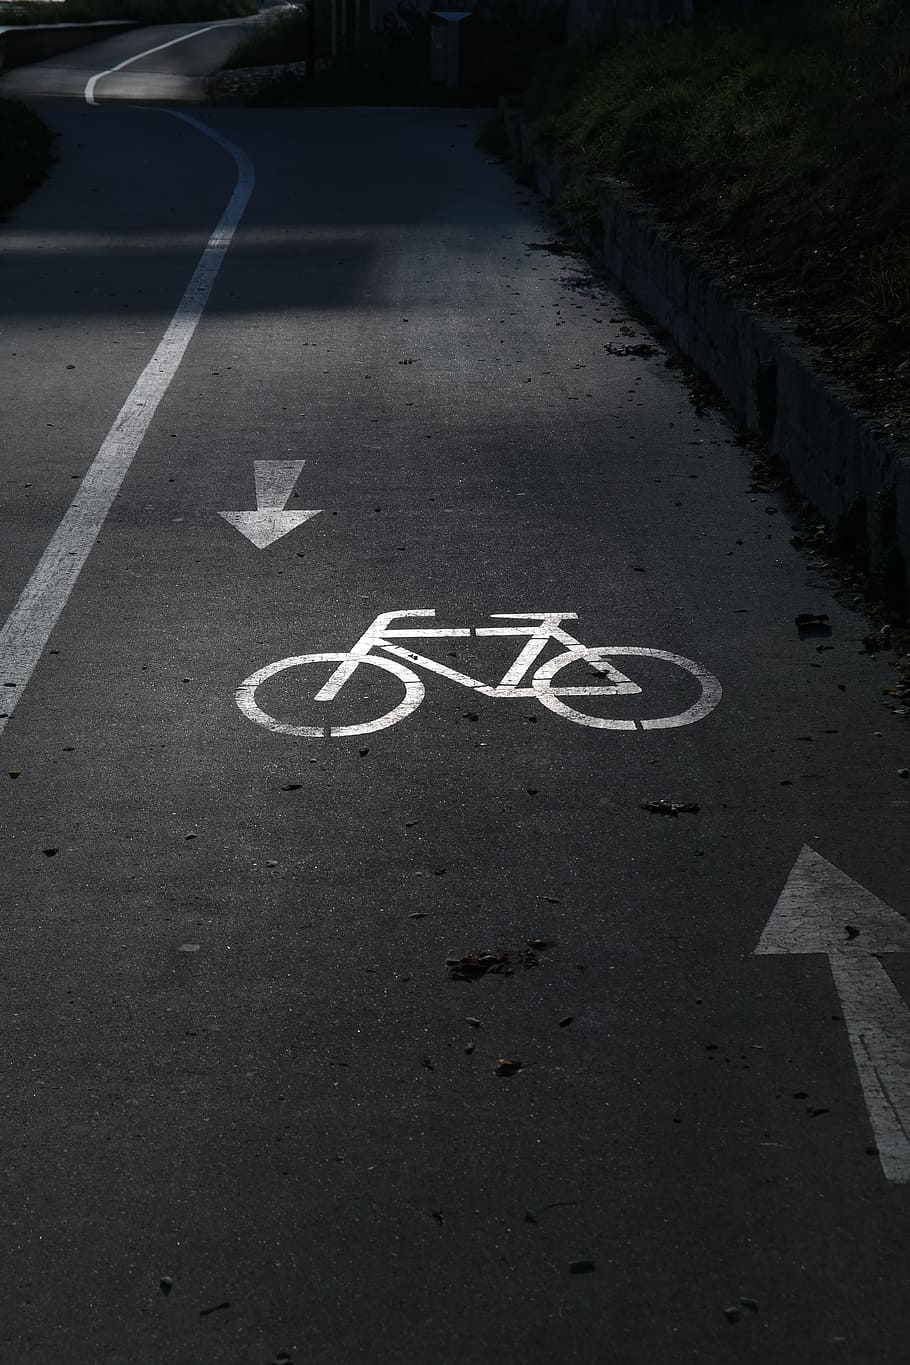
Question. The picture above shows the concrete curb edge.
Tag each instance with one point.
(857, 479)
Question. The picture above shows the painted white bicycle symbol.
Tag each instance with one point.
(539, 630)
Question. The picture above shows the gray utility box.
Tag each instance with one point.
(445, 44)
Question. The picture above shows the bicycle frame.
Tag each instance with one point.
(543, 627)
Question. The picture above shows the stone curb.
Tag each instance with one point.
(235, 84)
(858, 480)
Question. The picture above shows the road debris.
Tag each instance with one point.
(641, 349)
(877, 639)
(554, 1204)
(554, 246)
(583, 1267)
(664, 807)
(507, 1066)
(813, 623)
(900, 692)
(479, 962)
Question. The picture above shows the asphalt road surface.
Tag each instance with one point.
(160, 62)
(253, 1112)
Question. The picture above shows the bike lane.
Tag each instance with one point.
(151, 63)
(245, 1065)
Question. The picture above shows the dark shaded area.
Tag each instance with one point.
(500, 45)
(138, 11)
(25, 153)
(35, 43)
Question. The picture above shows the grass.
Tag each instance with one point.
(780, 143)
(138, 11)
(25, 153)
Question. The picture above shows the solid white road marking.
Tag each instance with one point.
(711, 691)
(90, 86)
(246, 697)
(822, 910)
(546, 627)
(28, 627)
(275, 481)
(264, 527)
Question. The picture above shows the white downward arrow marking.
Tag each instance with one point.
(275, 481)
(822, 910)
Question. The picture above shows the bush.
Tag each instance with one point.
(284, 38)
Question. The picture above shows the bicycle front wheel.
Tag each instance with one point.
(710, 690)
(245, 696)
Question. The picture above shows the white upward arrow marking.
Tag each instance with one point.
(275, 481)
(822, 910)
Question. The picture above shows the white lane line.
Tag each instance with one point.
(26, 632)
(90, 86)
